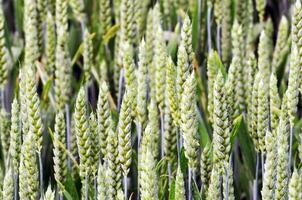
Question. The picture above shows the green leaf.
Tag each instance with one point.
(203, 132)
(46, 89)
(80, 51)
(235, 129)
(70, 188)
(246, 147)
(196, 25)
(111, 33)
(183, 161)
(172, 190)
(214, 60)
(196, 193)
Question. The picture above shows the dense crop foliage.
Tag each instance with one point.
(145, 99)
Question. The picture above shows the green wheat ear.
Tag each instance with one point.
(50, 43)
(221, 129)
(293, 85)
(295, 184)
(113, 168)
(78, 9)
(270, 167)
(148, 178)
(260, 7)
(275, 103)
(95, 146)
(282, 46)
(238, 63)
(282, 152)
(60, 157)
(87, 55)
(124, 134)
(206, 168)
(179, 185)
(105, 16)
(49, 194)
(3, 51)
(142, 85)
(214, 187)
(15, 133)
(83, 136)
(62, 64)
(160, 56)
(5, 133)
(29, 173)
(188, 122)
(33, 107)
(262, 115)
(101, 186)
(31, 32)
(8, 185)
(103, 116)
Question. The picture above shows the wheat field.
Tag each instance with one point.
(150, 100)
